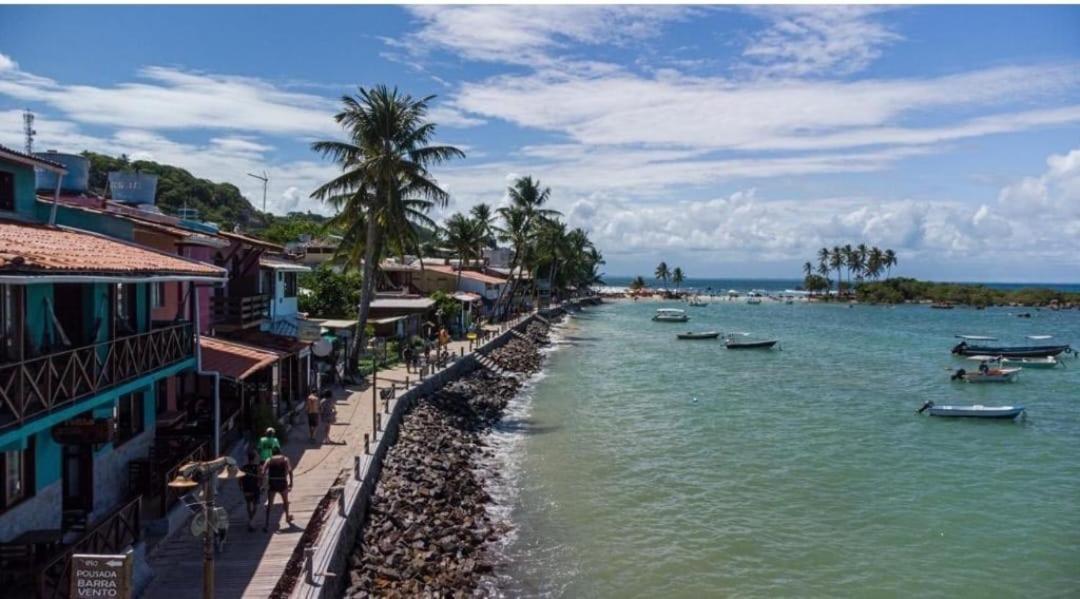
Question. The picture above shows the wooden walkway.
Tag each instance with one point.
(252, 562)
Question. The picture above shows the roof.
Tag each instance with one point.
(269, 341)
(333, 323)
(468, 274)
(251, 240)
(417, 303)
(234, 360)
(98, 205)
(388, 319)
(283, 265)
(31, 160)
(465, 296)
(39, 249)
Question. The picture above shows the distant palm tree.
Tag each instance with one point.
(889, 261)
(638, 283)
(662, 273)
(462, 235)
(528, 198)
(875, 262)
(837, 262)
(823, 265)
(485, 220)
(384, 163)
(850, 259)
(677, 277)
(862, 253)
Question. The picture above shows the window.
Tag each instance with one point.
(290, 284)
(10, 322)
(17, 470)
(266, 282)
(125, 309)
(128, 417)
(7, 190)
(157, 295)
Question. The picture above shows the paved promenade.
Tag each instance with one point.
(252, 562)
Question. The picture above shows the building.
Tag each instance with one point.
(313, 251)
(87, 349)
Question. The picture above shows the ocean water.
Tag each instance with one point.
(642, 466)
(777, 285)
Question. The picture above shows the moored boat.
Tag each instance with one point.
(974, 411)
(698, 335)
(670, 315)
(739, 344)
(697, 302)
(753, 301)
(990, 375)
(942, 306)
(1041, 363)
(1029, 351)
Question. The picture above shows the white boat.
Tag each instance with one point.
(670, 315)
(976, 338)
(1041, 363)
(992, 375)
(697, 302)
(753, 301)
(975, 411)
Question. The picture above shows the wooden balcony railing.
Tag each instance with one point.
(233, 313)
(40, 385)
(112, 535)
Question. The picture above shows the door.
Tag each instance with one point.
(77, 470)
(70, 302)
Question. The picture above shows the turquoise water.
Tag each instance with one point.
(800, 472)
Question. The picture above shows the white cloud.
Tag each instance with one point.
(523, 34)
(1055, 193)
(817, 40)
(7, 64)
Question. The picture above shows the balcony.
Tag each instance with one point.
(41, 385)
(238, 313)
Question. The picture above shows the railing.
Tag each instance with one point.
(240, 312)
(111, 535)
(40, 385)
(168, 495)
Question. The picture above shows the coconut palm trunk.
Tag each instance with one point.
(367, 292)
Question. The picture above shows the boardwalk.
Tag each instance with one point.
(252, 562)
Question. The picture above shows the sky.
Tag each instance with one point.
(731, 141)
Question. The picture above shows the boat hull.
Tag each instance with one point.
(750, 344)
(977, 411)
(1034, 351)
(1025, 363)
(695, 336)
(671, 318)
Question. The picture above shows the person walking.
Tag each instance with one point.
(313, 410)
(251, 486)
(279, 477)
(267, 444)
(407, 356)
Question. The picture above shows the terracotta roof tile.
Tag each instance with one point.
(234, 360)
(39, 249)
(467, 274)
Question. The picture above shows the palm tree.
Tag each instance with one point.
(485, 220)
(837, 262)
(677, 277)
(385, 180)
(850, 260)
(823, 265)
(638, 283)
(889, 262)
(862, 253)
(527, 197)
(808, 269)
(875, 262)
(662, 273)
(462, 235)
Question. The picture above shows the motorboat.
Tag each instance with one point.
(731, 343)
(670, 315)
(990, 375)
(753, 300)
(699, 335)
(976, 338)
(975, 411)
(697, 302)
(1040, 363)
(942, 306)
(1029, 351)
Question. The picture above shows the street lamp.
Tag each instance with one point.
(196, 474)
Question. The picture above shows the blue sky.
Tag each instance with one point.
(731, 141)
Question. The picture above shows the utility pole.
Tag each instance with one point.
(28, 129)
(265, 178)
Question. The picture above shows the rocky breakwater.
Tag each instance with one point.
(427, 529)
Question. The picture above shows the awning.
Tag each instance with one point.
(333, 323)
(235, 361)
(271, 342)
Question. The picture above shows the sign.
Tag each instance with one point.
(308, 331)
(101, 576)
(83, 431)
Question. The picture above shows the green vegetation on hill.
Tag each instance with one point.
(902, 289)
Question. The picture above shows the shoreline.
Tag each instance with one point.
(430, 527)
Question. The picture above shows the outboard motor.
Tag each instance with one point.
(925, 406)
(959, 347)
(960, 374)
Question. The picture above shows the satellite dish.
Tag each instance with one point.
(322, 348)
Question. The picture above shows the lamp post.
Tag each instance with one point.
(196, 474)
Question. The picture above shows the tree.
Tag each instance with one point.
(326, 293)
(889, 261)
(850, 261)
(862, 253)
(808, 269)
(385, 185)
(837, 262)
(813, 282)
(463, 236)
(677, 277)
(823, 263)
(485, 220)
(662, 273)
(637, 284)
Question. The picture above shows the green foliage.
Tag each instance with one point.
(638, 283)
(221, 203)
(283, 229)
(815, 283)
(447, 305)
(332, 294)
(903, 289)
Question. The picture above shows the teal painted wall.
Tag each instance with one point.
(37, 316)
(24, 187)
(88, 221)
